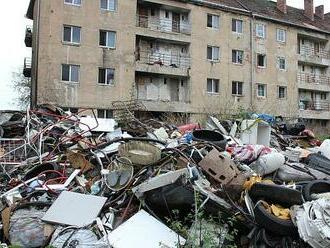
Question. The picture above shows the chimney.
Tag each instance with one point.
(319, 11)
(309, 9)
(281, 5)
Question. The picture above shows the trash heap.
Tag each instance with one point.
(73, 180)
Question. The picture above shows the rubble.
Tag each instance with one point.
(73, 180)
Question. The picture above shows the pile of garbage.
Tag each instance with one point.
(74, 180)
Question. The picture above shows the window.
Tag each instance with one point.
(212, 85)
(261, 30)
(70, 73)
(261, 90)
(237, 56)
(237, 88)
(213, 21)
(109, 5)
(261, 60)
(281, 63)
(71, 34)
(71, 110)
(106, 76)
(237, 26)
(104, 114)
(282, 92)
(167, 14)
(323, 96)
(280, 35)
(73, 2)
(108, 39)
(213, 53)
(324, 123)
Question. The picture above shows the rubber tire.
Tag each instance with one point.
(317, 186)
(277, 194)
(273, 224)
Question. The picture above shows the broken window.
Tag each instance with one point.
(261, 30)
(212, 85)
(73, 2)
(282, 92)
(106, 76)
(213, 21)
(71, 34)
(104, 113)
(70, 73)
(261, 60)
(109, 5)
(281, 63)
(261, 90)
(237, 56)
(237, 88)
(280, 35)
(237, 26)
(108, 39)
(213, 53)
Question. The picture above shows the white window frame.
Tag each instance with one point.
(213, 82)
(106, 77)
(213, 59)
(279, 96)
(265, 90)
(261, 30)
(106, 38)
(279, 59)
(70, 74)
(237, 52)
(237, 21)
(265, 60)
(281, 35)
(72, 2)
(236, 86)
(108, 5)
(215, 21)
(71, 35)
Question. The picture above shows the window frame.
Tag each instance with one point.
(106, 76)
(237, 83)
(279, 63)
(106, 39)
(70, 73)
(265, 60)
(237, 56)
(217, 27)
(265, 90)
(115, 2)
(71, 34)
(236, 21)
(263, 36)
(72, 3)
(214, 81)
(213, 48)
(278, 30)
(106, 114)
(279, 96)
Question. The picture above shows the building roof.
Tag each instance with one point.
(268, 9)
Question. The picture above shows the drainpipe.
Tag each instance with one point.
(36, 57)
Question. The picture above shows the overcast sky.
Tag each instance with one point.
(13, 50)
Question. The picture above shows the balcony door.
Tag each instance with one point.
(176, 22)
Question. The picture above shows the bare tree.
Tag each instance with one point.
(22, 85)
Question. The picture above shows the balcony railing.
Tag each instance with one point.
(28, 36)
(321, 105)
(311, 51)
(156, 58)
(27, 67)
(163, 24)
(310, 78)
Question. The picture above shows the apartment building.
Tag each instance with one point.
(182, 56)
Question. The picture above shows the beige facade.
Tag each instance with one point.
(166, 55)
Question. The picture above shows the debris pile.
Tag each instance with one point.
(74, 180)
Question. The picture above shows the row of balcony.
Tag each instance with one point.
(310, 78)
